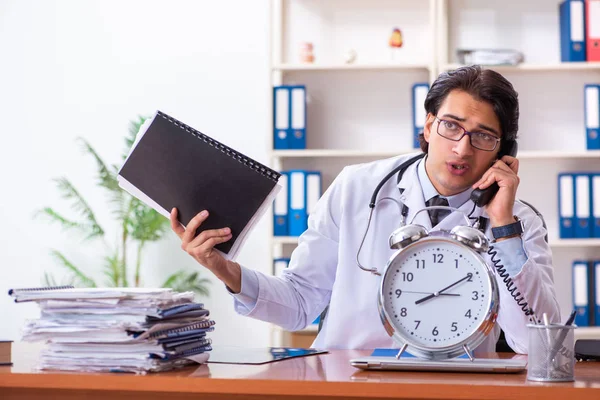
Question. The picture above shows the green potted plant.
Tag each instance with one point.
(138, 224)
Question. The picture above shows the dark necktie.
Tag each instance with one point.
(437, 215)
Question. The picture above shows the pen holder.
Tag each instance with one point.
(551, 353)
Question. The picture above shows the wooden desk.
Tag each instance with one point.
(315, 377)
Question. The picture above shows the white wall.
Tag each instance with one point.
(75, 68)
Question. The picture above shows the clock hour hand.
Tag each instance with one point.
(444, 294)
(436, 294)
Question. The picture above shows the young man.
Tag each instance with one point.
(472, 117)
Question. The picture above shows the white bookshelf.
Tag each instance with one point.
(574, 243)
(592, 332)
(351, 67)
(361, 112)
(566, 243)
(523, 155)
(525, 67)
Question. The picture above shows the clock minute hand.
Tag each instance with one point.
(436, 294)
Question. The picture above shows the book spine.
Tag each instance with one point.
(191, 352)
(181, 308)
(191, 327)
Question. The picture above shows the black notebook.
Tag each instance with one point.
(174, 165)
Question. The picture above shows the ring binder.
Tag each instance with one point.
(39, 289)
(181, 308)
(274, 175)
(187, 346)
(172, 165)
(182, 330)
(183, 354)
(198, 334)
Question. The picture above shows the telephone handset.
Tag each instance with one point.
(483, 196)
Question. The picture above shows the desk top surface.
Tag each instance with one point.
(320, 376)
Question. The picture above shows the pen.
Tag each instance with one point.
(563, 335)
(548, 334)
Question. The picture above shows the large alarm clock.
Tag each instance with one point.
(438, 298)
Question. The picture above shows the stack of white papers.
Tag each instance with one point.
(117, 329)
(490, 56)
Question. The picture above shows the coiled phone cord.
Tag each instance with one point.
(502, 273)
(510, 285)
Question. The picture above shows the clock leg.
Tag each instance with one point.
(401, 351)
(468, 351)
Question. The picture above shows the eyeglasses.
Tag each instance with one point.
(453, 131)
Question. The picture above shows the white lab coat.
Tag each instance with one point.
(323, 269)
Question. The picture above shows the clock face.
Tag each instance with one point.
(436, 293)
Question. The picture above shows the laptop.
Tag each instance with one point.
(488, 365)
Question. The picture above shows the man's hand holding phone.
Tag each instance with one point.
(504, 173)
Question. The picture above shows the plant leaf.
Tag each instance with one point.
(49, 279)
(79, 204)
(80, 277)
(65, 223)
(145, 224)
(112, 269)
(106, 178)
(183, 281)
(134, 128)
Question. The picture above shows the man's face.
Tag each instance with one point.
(453, 166)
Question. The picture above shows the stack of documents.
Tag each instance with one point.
(117, 329)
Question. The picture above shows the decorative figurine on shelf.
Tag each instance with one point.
(306, 53)
(395, 41)
(350, 56)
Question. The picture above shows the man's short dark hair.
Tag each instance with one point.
(483, 84)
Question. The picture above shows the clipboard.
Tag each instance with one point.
(259, 355)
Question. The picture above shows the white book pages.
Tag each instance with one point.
(147, 346)
(135, 366)
(92, 293)
(173, 299)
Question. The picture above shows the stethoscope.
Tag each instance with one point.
(400, 169)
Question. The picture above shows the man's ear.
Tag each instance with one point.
(428, 125)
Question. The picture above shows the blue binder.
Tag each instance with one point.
(583, 227)
(592, 116)
(297, 213)
(297, 135)
(281, 117)
(572, 31)
(280, 208)
(596, 291)
(580, 293)
(313, 190)
(566, 205)
(419, 93)
(595, 202)
(279, 264)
